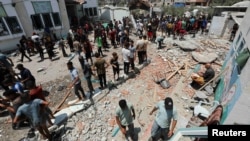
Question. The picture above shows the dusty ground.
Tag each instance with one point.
(140, 91)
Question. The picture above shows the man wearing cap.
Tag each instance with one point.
(165, 120)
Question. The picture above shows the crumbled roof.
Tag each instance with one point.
(242, 4)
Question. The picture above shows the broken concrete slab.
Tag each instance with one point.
(204, 57)
(41, 69)
(187, 46)
(201, 94)
(76, 107)
(62, 116)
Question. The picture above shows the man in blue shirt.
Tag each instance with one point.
(25, 74)
(16, 86)
(34, 111)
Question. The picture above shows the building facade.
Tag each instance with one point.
(24, 17)
(234, 86)
(20, 17)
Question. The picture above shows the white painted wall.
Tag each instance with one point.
(30, 9)
(9, 42)
(240, 113)
(22, 10)
(217, 25)
(111, 13)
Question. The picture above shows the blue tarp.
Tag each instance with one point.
(177, 4)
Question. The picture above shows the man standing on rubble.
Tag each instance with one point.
(76, 81)
(165, 121)
(100, 66)
(139, 49)
(125, 114)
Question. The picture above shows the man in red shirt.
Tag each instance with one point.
(36, 92)
(112, 35)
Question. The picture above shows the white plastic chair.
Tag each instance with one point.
(199, 110)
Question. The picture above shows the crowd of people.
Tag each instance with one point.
(28, 102)
(25, 101)
(22, 97)
(175, 26)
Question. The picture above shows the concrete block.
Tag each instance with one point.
(62, 116)
(76, 107)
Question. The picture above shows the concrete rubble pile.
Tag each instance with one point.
(96, 122)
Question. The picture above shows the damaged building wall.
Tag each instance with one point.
(233, 89)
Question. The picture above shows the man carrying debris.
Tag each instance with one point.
(125, 114)
(76, 81)
(165, 121)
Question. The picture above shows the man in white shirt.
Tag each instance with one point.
(139, 27)
(139, 49)
(34, 37)
(126, 55)
(76, 81)
(207, 27)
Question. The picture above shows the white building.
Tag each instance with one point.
(19, 17)
(23, 17)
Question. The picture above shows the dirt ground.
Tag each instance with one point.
(55, 76)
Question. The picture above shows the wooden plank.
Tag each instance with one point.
(64, 99)
(197, 67)
(169, 65)
(169, 77)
